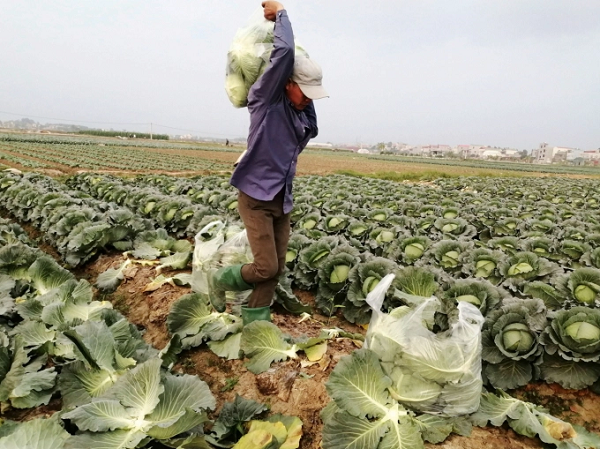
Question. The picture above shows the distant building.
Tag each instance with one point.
(510, 153)
(436, 150)
(363, 151)
(490, 153)
(591, 155)
(471, 151)
(547, 154)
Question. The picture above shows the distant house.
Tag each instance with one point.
(437, 150)
(509, 153)
(489, 153)
(591, 155)
(471, 151)
(547, 154)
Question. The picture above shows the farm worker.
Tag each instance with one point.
(282, 121)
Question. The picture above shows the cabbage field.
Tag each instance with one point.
(461, 312)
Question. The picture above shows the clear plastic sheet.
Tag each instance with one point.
(436, 373)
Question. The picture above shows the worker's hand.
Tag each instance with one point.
(271, 9)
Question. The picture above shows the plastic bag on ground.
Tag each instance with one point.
(234, 250)
(207, 242)
(248, 57)
(436, 373)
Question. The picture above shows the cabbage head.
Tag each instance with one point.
(408, 250)
(236, 90)
(363, 279)
(454, 227)
(335, 269)
(572, 348)
(581, 287)
(358, 229)
(310, 259)
(526, 266)
(481, 293)
(575, 334)
(449, 254)
(295, 245)
(483, 263)
(510, 341)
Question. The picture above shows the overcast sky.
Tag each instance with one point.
(508, 73)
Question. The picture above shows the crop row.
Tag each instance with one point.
(463, 241)
(456, 240)
(77, 225)
(22, 161)
(116, 157)
(494, 165)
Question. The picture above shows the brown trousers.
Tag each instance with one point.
(268, 230)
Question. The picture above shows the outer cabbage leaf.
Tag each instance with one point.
(571, 374)
(228, 348)
(110, 279)
(46, 274)
(232, 415)
(25, 384)
(359, 386)
(530, 420)
(194, 320)
(360, 391)
(435, 429)
(345, 431)
(263, 343)
(36, 434)
(142, 403)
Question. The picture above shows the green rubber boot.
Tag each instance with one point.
(226, 279)
(250, 314)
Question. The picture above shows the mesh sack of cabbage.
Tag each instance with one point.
(436, 373)
(248, 57)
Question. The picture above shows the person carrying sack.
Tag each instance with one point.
(282, 121)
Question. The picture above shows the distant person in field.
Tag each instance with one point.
(282, 121)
